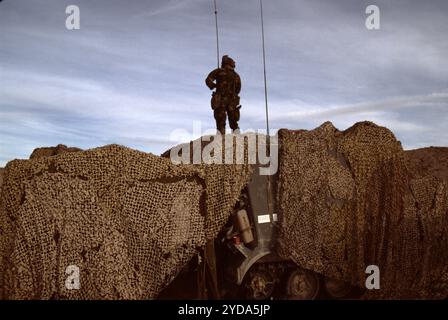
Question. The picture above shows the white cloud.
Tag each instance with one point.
(366, 108)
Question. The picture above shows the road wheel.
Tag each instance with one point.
(302, 285)
(259, 285)
(336, 288)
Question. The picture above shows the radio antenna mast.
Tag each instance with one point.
(217, 35)
(264, 69)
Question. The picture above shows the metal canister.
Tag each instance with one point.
(243, 225)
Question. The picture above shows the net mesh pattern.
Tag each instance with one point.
(348, 200)
(130, 221)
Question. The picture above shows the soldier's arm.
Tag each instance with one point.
(238, 83)
(211, 78)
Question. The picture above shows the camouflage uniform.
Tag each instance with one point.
(225, 99)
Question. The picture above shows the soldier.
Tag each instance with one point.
(225, 99)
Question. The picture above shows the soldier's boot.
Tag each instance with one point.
(233, 120)
(221, 130)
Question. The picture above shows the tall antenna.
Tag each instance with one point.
(217, 36)
(269, 186)
(264, 69)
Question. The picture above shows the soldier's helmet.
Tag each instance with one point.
(227, 61)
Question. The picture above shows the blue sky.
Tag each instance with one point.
(135, 70)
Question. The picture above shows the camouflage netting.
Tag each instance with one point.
(1, 178)
(348, 200)
(52, 151)
(129, 220)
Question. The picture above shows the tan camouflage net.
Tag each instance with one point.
(1, 178)
(347, 200)
(129, 220)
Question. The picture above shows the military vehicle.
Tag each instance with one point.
(248, 265)
(243, 263)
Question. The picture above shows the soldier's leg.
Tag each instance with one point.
(233, 115)
(220, 117)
